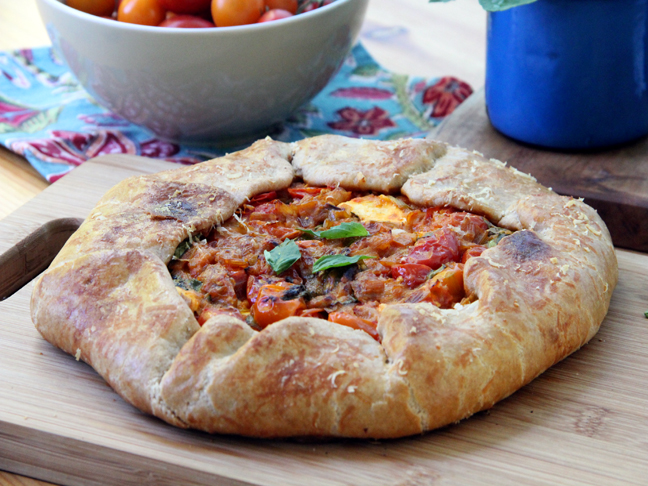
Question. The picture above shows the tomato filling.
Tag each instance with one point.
(329, 253)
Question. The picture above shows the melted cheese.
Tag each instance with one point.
(375, 208)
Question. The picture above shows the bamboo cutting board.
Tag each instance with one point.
(584, 422)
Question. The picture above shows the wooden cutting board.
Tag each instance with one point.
(612, 181)
(583, 422)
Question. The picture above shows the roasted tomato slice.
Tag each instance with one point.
(263, 198)
(413, 274)
(435, 250)
(354, 322)
(300, 192)
(444, 290)
(271, 305)
(474, 251)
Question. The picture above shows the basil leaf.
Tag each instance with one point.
(282, 257)
(343, 230)
(182, 249)
(332, 261)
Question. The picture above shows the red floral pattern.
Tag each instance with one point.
(446, 95)
(73, 148)
(362, 122)
(15, 115)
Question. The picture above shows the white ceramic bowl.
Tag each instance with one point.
(215, 85)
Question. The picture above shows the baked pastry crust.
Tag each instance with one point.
(542, 293)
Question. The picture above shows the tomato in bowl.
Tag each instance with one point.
(223, 85)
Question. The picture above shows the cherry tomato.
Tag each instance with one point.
(300, 192)
(240, 279)
(142, 12)
(474, 251)
(447, 287)
(185, 6)
(102, 8)
(290, 5)
(433, 251)
(271, 307)
(413, 274)
(276, 14)
(263, 198)
(187, 22)
(354, 322)
(227, 13)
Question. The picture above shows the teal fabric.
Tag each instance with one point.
(47, 117)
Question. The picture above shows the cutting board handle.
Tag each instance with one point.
(31, 255)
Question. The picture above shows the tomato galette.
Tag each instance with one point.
(329, 287)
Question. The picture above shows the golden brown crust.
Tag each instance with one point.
(541, 294)
(331, 160)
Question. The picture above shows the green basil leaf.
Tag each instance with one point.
(282, 257)
(182, 249)
(332, 261)
(343, 230)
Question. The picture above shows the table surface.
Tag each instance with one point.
(407, 36)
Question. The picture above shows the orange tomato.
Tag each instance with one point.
(290, 5)
(270, 306)
(227, 13)
(354, 322)
(102, 8)
(447, 287)
(142, 12)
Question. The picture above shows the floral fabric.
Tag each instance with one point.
(48, 118)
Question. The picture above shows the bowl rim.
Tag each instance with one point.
(83, 16)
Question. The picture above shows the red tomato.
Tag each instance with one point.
(263, 198)
(240, 279)
(354, 322)
(187, 22)
(412, 273)
(102, 8)
(474, 251)
(270, 306)
(142, 12)
(300, 192)
(447, 287)
(227, 13)
(186, 6)
(290, 5)
(276, 14)
(433, 251)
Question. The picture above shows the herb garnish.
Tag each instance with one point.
(332, 261)
(282, 257)
(182, 249)
(343, 230)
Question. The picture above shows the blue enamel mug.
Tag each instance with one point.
(569, 74)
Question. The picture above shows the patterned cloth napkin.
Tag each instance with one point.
(47, 117)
